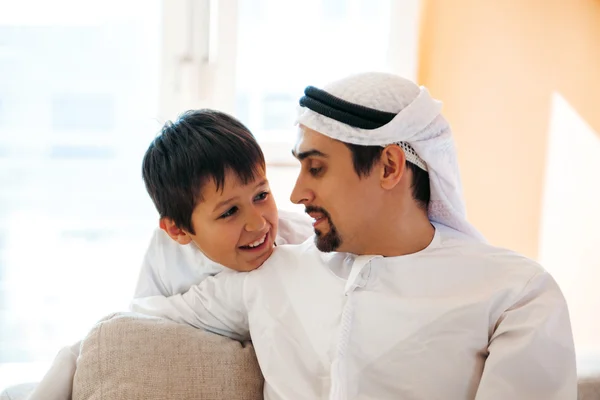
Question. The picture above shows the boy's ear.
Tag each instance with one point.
(177, 234)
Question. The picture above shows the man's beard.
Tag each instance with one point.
(331, 240)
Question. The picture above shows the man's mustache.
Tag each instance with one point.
(310, 209)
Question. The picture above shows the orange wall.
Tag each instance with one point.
(495, 65)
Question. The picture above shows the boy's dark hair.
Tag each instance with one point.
(200, 145)
(364, 158)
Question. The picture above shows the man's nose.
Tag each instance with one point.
(301, 194)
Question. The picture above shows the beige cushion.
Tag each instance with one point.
(129, 356)
(589, 387)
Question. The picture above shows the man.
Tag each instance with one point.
(397, 296)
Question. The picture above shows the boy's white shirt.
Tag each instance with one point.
(459, 320)
(168, 268)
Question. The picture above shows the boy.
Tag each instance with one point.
(211, 157)
(206, 175)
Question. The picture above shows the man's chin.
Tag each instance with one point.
(327, 243)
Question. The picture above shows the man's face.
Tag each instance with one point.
(236, 226)
(339, 201)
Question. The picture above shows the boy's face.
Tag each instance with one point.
(235, 226)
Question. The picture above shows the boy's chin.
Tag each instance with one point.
(264, 257)
(255, 263)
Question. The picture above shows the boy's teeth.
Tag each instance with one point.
(258, 242)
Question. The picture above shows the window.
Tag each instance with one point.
(83, 112)
(79, 105)
(290, 46)
(84, 89)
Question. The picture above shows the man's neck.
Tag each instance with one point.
(399, 235)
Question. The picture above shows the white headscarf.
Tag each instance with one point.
(418, 122)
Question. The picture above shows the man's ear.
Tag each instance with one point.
(175, 233)
(394, 166)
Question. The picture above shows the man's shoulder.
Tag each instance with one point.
(501, 275)
(489, 257)
(507, 261)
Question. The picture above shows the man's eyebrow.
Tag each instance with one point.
(308, 153)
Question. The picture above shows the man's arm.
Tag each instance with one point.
(216, 304)
(531, 352)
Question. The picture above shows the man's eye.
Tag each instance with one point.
(262, 196)
(229, 212)
(315, 171)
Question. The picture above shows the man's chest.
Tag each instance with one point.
(380, 338)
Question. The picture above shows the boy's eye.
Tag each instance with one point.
(229, 212)
(261, 196)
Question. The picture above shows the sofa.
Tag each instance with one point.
(130, 356)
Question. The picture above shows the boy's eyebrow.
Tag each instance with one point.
(232, 199)
(261, 183)
(308, 153)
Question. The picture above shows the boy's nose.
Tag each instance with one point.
(255, 222)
